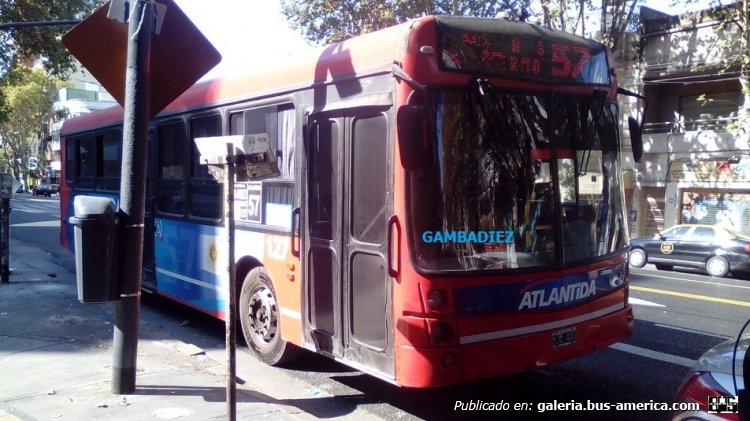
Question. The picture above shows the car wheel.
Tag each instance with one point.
(663, 267)
(717, 266)
(638, 258)
(261, 320)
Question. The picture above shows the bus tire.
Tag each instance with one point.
(260, 319)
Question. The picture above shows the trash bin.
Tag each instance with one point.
(95, 221)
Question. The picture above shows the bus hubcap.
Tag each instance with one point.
(263, 314)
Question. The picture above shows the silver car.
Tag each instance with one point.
(711, 380)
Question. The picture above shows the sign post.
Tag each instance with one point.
(127, 64)
(132, 196)
(6, 192)
(222, 154)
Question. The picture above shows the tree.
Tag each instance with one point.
(612, 18)
(36, 41)
(29, 94)
(736, 15)
(327, 21)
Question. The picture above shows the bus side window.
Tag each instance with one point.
(206, 198)
(369, 179)
(279, 122)
(86, 163)
(109, 160)
(172, 152)
(323, 166)
(71, 160)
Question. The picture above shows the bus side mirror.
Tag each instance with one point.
(413, 142)
(636, 139)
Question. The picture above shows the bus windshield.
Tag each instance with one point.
(518, 181)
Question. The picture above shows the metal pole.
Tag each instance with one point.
(231, 316)
(132, 194)
(18, 25)
(5, 240)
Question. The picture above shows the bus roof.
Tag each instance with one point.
(366, 54)
(360, 55)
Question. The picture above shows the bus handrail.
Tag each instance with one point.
(393, 223)
(295, 246)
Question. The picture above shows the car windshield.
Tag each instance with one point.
(519, 181)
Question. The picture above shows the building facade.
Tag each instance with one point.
(696, 167)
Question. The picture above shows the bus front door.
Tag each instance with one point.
(148, 274)
(347, 286)
(148, 281)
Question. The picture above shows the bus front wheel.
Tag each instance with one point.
(260, 319)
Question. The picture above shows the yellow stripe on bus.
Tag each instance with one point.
(693, 296)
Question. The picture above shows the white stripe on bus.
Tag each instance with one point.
(189, 280)
(481, 337)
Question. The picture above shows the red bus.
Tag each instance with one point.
(449, 206)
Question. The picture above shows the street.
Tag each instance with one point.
(679, 315)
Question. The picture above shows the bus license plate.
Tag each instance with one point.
(564, 337)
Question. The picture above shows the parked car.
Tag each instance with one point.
(711, 379)
(714, 248)
(41, 190)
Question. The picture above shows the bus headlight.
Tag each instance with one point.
(435, 299)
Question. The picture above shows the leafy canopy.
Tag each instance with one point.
(328, 21)
(29, 95)
(38, 41)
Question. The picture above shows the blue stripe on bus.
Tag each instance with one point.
(190, 261)
(556, 293)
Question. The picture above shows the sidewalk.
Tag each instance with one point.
(56, 362)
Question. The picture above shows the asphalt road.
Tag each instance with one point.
(679, 315)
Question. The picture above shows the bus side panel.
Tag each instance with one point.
(66, 211)
(284, 269)
(190, 268)
(66, 200)
(189, 264)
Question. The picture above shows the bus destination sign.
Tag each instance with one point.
(544, 59)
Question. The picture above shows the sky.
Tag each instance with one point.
(679, 6)
(246, 32)
(254, 32)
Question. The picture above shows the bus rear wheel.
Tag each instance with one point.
(260, 320)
